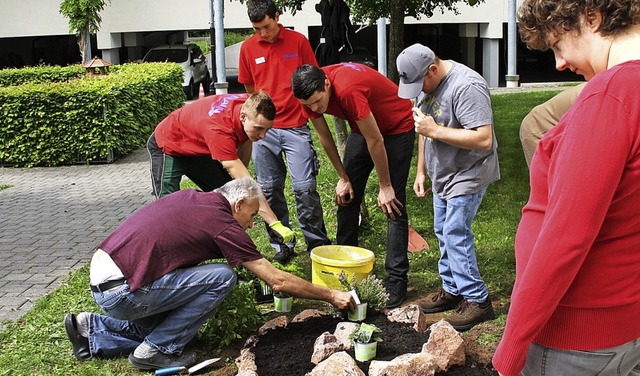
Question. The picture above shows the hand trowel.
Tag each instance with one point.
(185, 370)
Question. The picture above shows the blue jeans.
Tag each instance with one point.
(166, 313)
(622, 360)
(294, 146)
(458, 266)
(359, 165)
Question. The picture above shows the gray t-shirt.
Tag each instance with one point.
(461, 101)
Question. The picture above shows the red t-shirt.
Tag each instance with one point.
(269, 67)
(176, 231)
(208, 126)
(357, 91)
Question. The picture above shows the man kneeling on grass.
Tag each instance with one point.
(146, 276)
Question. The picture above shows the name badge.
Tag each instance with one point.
(260, 60)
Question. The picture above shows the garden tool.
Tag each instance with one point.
(416, 242)
(185, 370)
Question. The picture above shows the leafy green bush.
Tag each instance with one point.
(39, 74)
(51, 122)
(237, 316)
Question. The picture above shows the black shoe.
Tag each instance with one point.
(283, 256)
(397, 293)
(162, 360)
(80, 344)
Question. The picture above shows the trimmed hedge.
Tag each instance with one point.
(63, 117)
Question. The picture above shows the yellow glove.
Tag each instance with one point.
(284, 233)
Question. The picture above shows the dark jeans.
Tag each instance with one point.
(167, 171)
(358, 165)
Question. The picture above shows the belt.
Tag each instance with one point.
(108, 285)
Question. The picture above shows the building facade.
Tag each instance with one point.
(34, 32)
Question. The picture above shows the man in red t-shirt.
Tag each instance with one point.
(267, 61)
(382, 136)
(149, 278)
(209, 141)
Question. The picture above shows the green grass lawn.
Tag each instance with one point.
(37, 344)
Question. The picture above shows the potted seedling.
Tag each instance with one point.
(365, 339)
(368, 292)
(282, 302)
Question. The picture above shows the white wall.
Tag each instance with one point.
(41, 17)
(22, 18)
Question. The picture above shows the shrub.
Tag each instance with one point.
(50, 122)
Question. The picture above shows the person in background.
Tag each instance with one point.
(209, 141)
(576, 297)
(544, 117)
(149, 278)
(458, 151)
(267, 60)
(381, 137)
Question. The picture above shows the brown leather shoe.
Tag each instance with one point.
(469, 314)
(439, 301)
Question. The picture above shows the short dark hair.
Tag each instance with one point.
(540, 19)
(260, 103)
(259, 9)
(306, 80)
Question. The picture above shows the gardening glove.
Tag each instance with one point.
(284, 234)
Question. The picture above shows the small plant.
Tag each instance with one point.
(366, 333)
(370, 290)
(281, 295)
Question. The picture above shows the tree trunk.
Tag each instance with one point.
(84, 44)
(396, 37)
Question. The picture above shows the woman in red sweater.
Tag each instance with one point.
(575, 306)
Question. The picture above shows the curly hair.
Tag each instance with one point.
(540, 19)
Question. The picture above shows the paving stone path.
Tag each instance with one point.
(52, 218)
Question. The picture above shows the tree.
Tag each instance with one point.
(84, 20)
(369, 11)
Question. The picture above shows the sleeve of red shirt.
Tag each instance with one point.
(308, 57)
(221, 145)
(355, 102)
(575, 208)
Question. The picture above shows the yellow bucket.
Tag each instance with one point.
(329, 260)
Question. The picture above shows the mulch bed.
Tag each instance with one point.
(287, 351)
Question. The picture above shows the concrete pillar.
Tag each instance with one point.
(111, 55)
(491, 61)
(468, 33)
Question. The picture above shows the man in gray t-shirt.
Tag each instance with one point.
(458, 151)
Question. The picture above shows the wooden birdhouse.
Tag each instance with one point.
(97, 66)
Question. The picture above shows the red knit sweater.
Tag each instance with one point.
(578, 243)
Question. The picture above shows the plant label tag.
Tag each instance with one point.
(355, 296)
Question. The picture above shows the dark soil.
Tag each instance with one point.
(287, 351)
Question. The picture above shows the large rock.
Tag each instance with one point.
(278, 322)
(410, 314)
(446, 345)
(342, 332)
(308, 314)
(246, 361)
(418, 364)
(247, 373)
(325, 346)
(338, 364)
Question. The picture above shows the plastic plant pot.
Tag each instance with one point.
(359, 314)
(365, 351)
(282, 304)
